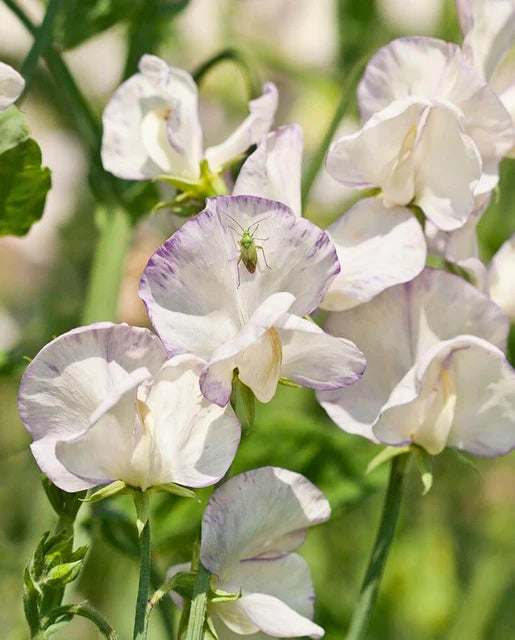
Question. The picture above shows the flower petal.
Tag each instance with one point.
(274, 170)
(377, 248)
(463, 396)
(255, 350)
(258, 513)
(317, 359)
(446, 175)
(501, 277)
(224, 633)
(190, 285)
(381, 153)
(151, 124)
(258, 122)
(195, 441)
(11, 85)
(411, 318)
(489, 30)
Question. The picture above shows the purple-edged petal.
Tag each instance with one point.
(255, 351)
(501, 277)
(317, 359)
(489, 30)
(274, 170)
(462, 395)
(258, 122)
(151, 124)
(377, 248)
(11, 85)
(258, 513)
(411, 318)
(76, 376)
(199, 297)
(446, 175)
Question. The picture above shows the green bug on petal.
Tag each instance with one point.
(248, 247)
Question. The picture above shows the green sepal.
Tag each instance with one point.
(62, 574)
(209, 629)
(425, 466)
(463, 459)
(286, 382)
(385, 455)
(142, 504)
(175, 489)
(217, 596)
(116, 488)
(248, 400)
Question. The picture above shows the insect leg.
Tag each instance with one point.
(238, 270)
(264, 255)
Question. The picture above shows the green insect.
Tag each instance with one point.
(248, 247)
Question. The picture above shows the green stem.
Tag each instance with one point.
(198, 605)
(236, 56)
(318, 158)
(107, 267)
(140, 626)
(42, 39)
(370, 587)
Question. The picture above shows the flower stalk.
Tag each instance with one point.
(370, 587)
(140, 626)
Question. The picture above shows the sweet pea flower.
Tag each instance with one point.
(376, 248)
(436, 376)
(501, 277)
(251, 528)
(416, 93)
(152, 126)
(202, 299)
(488, 27)
(103, 403)
(11, 85)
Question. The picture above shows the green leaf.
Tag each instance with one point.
(113, 489)
(24, 184)
(175, 489)
(82, 19)
(13, 128)
(63, 574)
(64, 504)
(383, 456)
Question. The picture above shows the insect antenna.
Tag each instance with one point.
(235, 221)
(258, 222)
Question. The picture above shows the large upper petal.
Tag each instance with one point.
(394, 73)
(317, 359)
(262, 512)
(151, 124)
(199, 297)
(489, 30)
(75, 375)
(462, 395)
(446, 174)
(11, 85)
(396, 328)
(258, 122)
(501, 277)
(284, 584)
(274, 170)
(377, 248)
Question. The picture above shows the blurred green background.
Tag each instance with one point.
(451, 571)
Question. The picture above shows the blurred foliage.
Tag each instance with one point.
(450, 574)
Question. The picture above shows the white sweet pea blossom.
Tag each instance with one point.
(376, 248)
(152, 126)
(501, 277)
(416, 93)
(11, 85)
(437, 375)
(202, 299)
(489, 30)
(103, 403)
(251, 528)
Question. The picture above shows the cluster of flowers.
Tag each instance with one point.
(230, 293)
